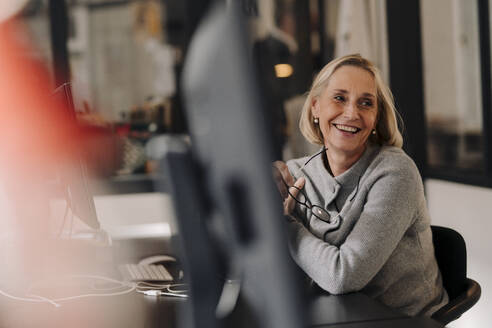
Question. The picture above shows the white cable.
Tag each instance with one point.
(94, 287)
(83, 276)
(131, 289)
(155, 292)
(150, 289)
(89, 276)
(64, 219)
(71, 224)
(148, 285)
(45, 299)
(40, 299)
(24, 299)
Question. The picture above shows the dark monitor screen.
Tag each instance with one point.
(74, 177)
(229, 211)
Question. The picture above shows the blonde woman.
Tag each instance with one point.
(358, 219)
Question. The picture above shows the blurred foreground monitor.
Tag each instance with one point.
(228, 209)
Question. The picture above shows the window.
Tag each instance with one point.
(456, 74)
(453, 95)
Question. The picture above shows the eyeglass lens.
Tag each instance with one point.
(320, 213)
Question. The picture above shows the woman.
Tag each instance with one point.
(358, 216)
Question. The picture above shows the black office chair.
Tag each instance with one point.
(450, 250)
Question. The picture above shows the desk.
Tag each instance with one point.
(126, 311)
(389, 323)
(357, 310)
(135, 310)
(355, 307)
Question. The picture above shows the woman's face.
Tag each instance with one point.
(347, 110)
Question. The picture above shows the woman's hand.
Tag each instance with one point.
(282, 177)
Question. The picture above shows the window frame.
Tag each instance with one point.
(406, 76)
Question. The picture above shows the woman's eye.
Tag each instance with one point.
(366, 103)
(339, 98)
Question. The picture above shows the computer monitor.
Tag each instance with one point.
(228, 209)
(73, 178)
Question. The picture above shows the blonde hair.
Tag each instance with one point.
(387, 132)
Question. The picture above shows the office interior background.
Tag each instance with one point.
(124, 59)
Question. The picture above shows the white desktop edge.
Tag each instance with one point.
(140, 231)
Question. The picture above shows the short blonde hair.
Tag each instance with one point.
(387, 132)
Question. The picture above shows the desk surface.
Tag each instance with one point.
(389, 323)
(127, 311)
(355, 307)
(136, 310)
(360, 311)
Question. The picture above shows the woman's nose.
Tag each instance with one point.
(351, 111)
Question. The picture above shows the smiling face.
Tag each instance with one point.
(347, 111)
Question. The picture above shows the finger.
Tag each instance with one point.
(289, 205)
(283, 176)
(290, 202)
(284, 171)
(299, 184)
(277, 176)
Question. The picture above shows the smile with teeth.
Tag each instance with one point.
(347, 128)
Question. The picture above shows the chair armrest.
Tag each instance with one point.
(457, 306)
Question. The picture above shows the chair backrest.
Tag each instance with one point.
(450, 251)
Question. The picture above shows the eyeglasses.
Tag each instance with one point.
(316, 210)
(302, 199)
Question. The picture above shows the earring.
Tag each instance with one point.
(373, 131)
(316, 120)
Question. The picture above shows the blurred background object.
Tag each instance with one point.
(10, 7)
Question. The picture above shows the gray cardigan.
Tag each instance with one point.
(381, 243)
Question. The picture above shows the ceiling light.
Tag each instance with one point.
(283, 70)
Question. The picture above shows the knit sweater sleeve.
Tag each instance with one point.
(391, 201)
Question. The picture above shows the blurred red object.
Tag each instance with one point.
(38, 131)
(36, 128)
(36, 134)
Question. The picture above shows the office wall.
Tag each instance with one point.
(468, 209)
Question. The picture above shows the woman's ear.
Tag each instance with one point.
(315, 107)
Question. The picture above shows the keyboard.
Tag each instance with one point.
(145, 272)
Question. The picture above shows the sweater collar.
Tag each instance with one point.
(352, 175)
(348, 179)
